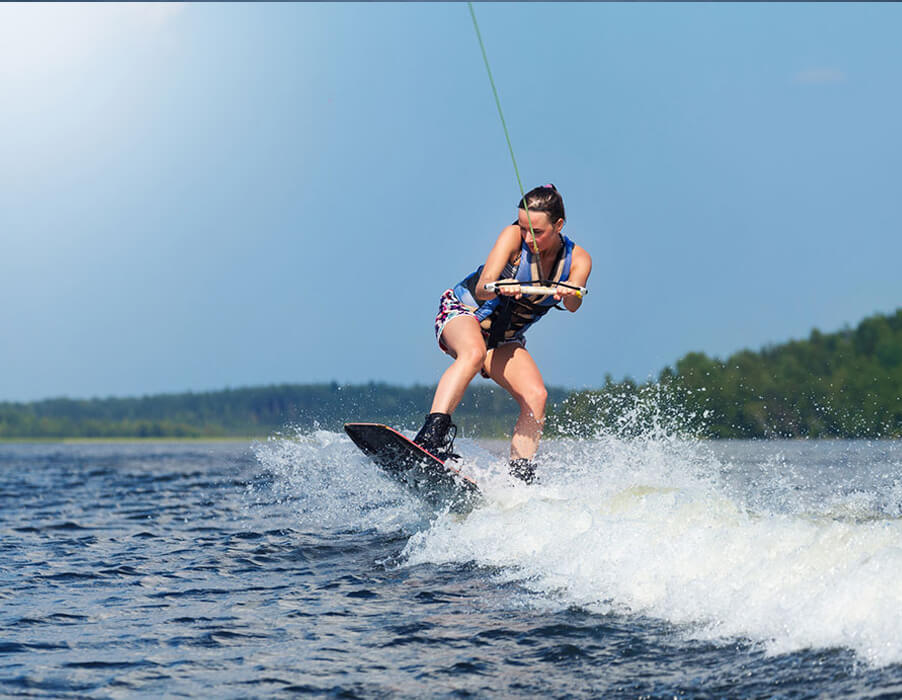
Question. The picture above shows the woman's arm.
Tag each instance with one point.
(580, 268)
(507, 244)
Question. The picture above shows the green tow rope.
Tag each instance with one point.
(488, 70)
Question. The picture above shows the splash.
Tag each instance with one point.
(753, 540)
(325, 484)
(322, 481)
(791, 545)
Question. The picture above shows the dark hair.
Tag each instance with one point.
(545, 198)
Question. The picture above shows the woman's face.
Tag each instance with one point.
(546, 231)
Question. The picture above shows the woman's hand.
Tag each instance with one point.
(561, 292)
(509, 290)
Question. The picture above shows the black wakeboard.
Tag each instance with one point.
(436, 482)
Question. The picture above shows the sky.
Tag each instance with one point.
(202, 196)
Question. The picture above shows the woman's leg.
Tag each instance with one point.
(462, 336)
(513, 368)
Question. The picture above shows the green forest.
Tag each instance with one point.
(846, 384)
(254, 412)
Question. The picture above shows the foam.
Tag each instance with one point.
(765, 542)
(650, 527)
(326, 484)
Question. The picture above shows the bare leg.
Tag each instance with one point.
(513, 368)
(463, 338)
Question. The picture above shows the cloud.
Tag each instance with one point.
(41, 38)
(820, 76)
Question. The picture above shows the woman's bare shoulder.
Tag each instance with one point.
(510, 234)
(508, 241)
(580, 254)
(581, 267)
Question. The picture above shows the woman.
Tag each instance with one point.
(484, 331)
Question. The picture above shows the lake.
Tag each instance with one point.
(652, 567)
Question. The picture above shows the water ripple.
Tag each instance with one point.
(206, 571)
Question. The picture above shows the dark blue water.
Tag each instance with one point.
(293, 567)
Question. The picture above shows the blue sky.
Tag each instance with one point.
(200, 196)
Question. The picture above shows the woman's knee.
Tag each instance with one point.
(473, 357)
(533, 400)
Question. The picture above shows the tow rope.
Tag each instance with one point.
(488, 70)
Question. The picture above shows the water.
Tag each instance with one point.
(646, 567)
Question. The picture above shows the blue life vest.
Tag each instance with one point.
(504, 318)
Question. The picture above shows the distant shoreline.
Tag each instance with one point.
(124, 440)
(843, 385)
(497, 446)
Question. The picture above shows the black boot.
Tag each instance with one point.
(524, 469)
(437, 436)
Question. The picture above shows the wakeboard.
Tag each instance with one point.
(436, 482)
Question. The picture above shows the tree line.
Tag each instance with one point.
(845, 384)
(254, 412)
